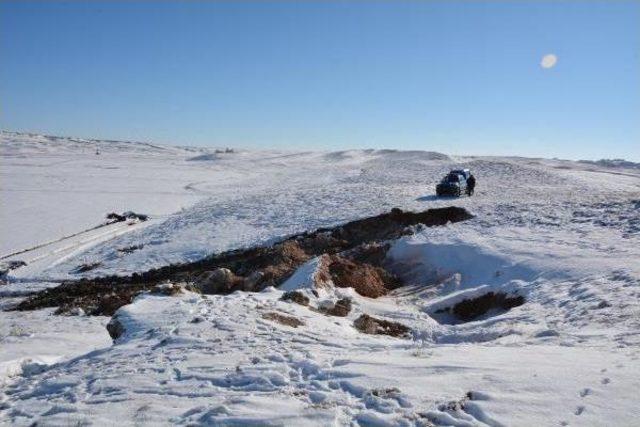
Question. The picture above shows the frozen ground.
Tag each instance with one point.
(565, 235)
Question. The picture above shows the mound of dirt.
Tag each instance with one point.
(294, 322)
(369, 253)
(340, 308)
(286, 259)
(470, 309)
(218, 281)
(370, 325)
(295, 296)
(99, 302)
(256, 268)
(365, 279)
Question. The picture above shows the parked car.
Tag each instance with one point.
(465, 172)
(454, 183)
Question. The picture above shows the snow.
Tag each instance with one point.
(565, 235)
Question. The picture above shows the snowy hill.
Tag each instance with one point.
(564, 236)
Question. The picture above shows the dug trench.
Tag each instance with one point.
(352, 255)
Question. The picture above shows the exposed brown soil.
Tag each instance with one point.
(295, 296)
(294, 322)
(255, 268)
(218, 281)
(367, 280)
(340, 308)
(369, 253)
(104, 299)
(470, 309)
(370, 325)
(286, 259)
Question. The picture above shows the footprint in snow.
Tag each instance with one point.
(579, 410)
(605, 381)
(585, 392)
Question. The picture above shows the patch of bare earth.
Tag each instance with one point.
(296, 297)
(256, 268)
(472, 308)
(294, 322)
(340, 308)
(365, 279)
(371, 325)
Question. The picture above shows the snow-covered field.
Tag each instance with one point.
(564, 235)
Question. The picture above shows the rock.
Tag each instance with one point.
(295, 296)
(115, 328)
(341, 308)
(370, 325)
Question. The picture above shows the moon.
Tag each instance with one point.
(548, 61)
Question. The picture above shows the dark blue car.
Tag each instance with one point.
(454, 183)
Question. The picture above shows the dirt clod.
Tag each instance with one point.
(370, 253)
(294, 322)
(370, 325)
(295, 296)
(341, 308)
(218, 281)
(365, 279)
(473, 308)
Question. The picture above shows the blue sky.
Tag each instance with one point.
(461, 77)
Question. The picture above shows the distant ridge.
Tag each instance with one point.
(613, 163)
